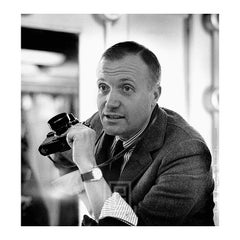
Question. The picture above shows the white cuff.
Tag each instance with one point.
(117, 207)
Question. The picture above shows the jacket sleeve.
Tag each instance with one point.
(181, 194)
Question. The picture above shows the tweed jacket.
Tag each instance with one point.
(168, 179)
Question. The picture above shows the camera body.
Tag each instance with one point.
(56, 139)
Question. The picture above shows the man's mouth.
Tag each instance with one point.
(113, 116)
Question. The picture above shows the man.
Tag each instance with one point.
(163, 174)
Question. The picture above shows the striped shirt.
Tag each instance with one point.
(116, 206)
(126, 144)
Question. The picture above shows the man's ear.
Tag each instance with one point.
(156, 93)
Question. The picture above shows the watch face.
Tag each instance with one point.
(97, 173)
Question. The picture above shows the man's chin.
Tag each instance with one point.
(112, 131)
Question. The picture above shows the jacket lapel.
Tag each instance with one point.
(137, 164)
(102, 153)
(151, 141)
(102, 148)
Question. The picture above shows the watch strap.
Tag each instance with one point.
(90, 176)
(87, 176)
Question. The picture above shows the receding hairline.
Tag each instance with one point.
(153, 79)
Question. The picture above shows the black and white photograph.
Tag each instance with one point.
(119, 118)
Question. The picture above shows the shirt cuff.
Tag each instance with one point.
(117, 207)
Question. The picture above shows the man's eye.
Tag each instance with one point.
(127, 88)
(102, 87)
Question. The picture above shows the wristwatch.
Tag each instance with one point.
(94, 175)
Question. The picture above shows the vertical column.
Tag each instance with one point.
(211, 97)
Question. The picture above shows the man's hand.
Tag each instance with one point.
(82, 141)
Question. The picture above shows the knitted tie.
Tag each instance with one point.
(117, 164)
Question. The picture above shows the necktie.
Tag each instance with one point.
(117, 164)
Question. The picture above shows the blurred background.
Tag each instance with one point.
(59, 57)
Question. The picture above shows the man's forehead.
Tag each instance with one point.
(129, 63)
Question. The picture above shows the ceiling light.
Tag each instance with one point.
(44, 58)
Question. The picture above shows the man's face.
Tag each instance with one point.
(125, 99)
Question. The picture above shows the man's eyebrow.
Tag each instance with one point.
(121, 80)
(101, 79)
(127, 80)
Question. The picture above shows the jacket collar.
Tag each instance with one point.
(153, 138)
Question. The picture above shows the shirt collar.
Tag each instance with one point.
(130, 141)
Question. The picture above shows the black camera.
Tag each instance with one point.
(56, 139)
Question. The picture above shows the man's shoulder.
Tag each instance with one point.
(181, 139)
(178, 127)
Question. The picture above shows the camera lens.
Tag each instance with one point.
(60, 123)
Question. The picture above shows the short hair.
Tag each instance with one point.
(122, 49)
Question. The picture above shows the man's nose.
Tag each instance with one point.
(112, 99)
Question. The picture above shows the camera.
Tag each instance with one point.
(56, 139)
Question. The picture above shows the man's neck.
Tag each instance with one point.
(134, 137)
